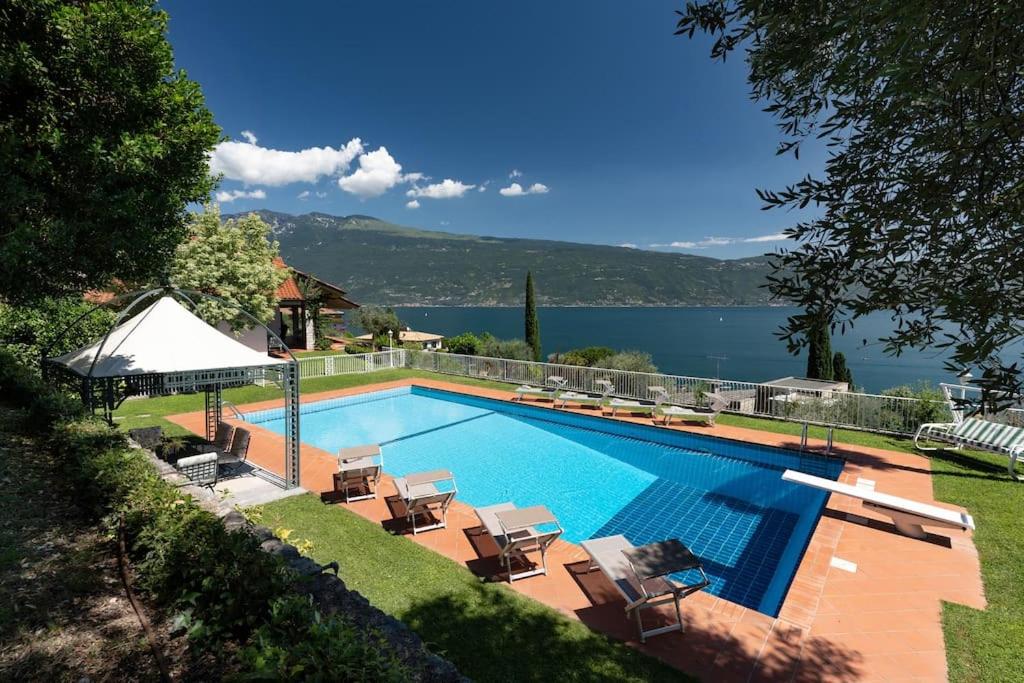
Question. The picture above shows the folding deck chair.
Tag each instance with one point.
(359, 467)
(427, 493)
(641, 575)
(516, 532)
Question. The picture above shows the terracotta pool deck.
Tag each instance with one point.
(879, 622)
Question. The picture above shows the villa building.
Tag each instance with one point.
(292, 321)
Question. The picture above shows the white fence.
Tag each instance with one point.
(872, 412)
(329, 366)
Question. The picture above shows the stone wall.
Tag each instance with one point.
(327, 590)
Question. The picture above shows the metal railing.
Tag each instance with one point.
(873, 412)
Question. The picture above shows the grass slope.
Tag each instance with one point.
(489, 632)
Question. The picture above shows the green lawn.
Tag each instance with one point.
(487, 630)
(981, 645)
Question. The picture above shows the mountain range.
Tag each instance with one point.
(382, 263)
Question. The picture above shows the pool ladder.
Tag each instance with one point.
(803, 439)
(234, 410)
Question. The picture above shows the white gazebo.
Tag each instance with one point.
(166, 349)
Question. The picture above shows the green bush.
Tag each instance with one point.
(297, 643)
(512, 349)
(357, 348)
(632, 361)
(466, 343)
(223, 587)
(587, 356)
(931, 405)
(26, 331)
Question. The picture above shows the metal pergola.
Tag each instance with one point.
(104, 385)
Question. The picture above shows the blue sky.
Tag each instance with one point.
(586, 122)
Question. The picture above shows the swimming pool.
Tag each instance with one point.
(725, 499)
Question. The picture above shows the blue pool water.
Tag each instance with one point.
(724, 499)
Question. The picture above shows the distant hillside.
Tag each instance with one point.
(383, 263)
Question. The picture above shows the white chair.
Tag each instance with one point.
(975, 433)
(554, 385)
(516, 532)
(359, 467)
(427, 494)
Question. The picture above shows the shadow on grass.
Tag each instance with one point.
(492, 634)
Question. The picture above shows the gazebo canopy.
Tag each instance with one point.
(164, 339)
(166, 349)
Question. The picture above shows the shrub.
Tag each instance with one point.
(632, 361)
(297, 643)
(931, 405)
(466, 343)
(513, 349)
(587, 356)
(27, 331)
(357, 348)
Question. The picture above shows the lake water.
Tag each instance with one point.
(682, 340)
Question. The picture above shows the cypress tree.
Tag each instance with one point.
(841, 370)
(532, 324)
(819, 353)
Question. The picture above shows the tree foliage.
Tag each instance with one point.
(632, 361)
(512, 349)
(378, 322)
(232, 260)
(532, 323)
(840, 370)
(819, 352)
(921, 203)
(466, 343)
(586, 356)
(102, 145)
(28, 330)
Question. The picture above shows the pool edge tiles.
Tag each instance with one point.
(693, 467)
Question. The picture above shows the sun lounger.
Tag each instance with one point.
(976, 433)
(566, 397)
(641, 575)
(200, 469)
(668, 411)
(629, 406)
(516, 532)
(908, 515)
(427, 494)
(359, 467)
(554, 384)
(235, 456)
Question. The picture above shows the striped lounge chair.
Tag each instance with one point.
(975, 433)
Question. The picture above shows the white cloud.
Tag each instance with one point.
(412, 204)
(225, 196)
(517, 190)
(256, 165)
(304, 194)
(378, 172)
(721, 241)
(321, 195)
(629, 245)
(483, 186)
(515, 173)
(446, 189)
(249, 137)
(777, 237)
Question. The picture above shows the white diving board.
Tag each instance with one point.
(908, 515)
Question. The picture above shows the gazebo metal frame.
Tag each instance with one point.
(108, 393)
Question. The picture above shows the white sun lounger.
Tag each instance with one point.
(516, 533)
(976, 433)
(630, 406)
(422, 496)
(641, 575)
(908, 515)
(582, 399)
(554, 384)
(359, 467)
(668, 411)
